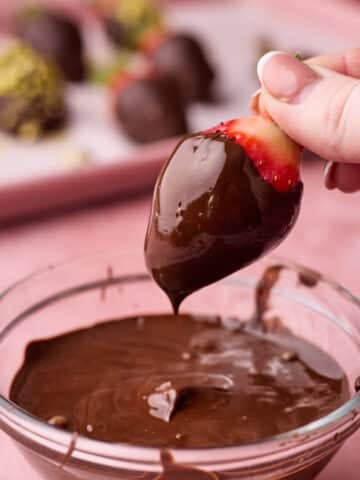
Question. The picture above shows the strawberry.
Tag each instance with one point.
(119, 81)
(152, 40)
(148, 105)
(276, 157)
(226, 197)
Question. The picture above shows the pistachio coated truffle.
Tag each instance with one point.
(31, 92)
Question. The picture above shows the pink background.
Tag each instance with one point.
(326, 238)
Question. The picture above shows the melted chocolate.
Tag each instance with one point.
(176, 471)
(212, 214)
(263, 293)
(357, 385)
(177, 381)
(309, 278)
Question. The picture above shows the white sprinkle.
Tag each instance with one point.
(140, 322)
(89, 428)
(58, 421)
(185, 356)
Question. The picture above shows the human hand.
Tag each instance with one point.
(317, 103)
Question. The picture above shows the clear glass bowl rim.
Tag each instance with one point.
(103, 453)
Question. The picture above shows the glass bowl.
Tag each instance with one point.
(85, 291)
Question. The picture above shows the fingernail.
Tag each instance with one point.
(329, 175)
(264, 60)
(285, 77)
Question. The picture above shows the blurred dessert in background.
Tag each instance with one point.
(140, 25)
(183, 56)
(127, 22)
(265, 44)
(149, 106)
(57, 37)
(31, 92)
(165, 71)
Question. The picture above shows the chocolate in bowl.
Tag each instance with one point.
(178, 381)
(36, 308)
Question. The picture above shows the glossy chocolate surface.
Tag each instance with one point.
(178, 381)
(151, 109)
(56, 37)
(212, 214)
(183, 57)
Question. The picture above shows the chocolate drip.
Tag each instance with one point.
(263, 294)
(176, 471)
(357, 385)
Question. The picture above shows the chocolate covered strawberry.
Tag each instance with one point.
(225, 197)
(184, 58)
(148, 106)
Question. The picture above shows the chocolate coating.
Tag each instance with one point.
(212, 214)
(183, 57)
(178, 381)
(58, 38)
(150, 109)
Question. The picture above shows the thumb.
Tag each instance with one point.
(317, 107)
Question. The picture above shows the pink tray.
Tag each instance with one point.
(60, 191)
(291, 25)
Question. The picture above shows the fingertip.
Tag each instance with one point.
(255, 102)
(346, 177)
(264, 60)
(329, 175)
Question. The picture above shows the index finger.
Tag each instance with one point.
(346, 63)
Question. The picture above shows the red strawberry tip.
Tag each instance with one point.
(273, 153)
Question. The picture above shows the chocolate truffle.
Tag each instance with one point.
(31, 92)
(132, 20)
(57, 37)
(149, 108)
(183, 57)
